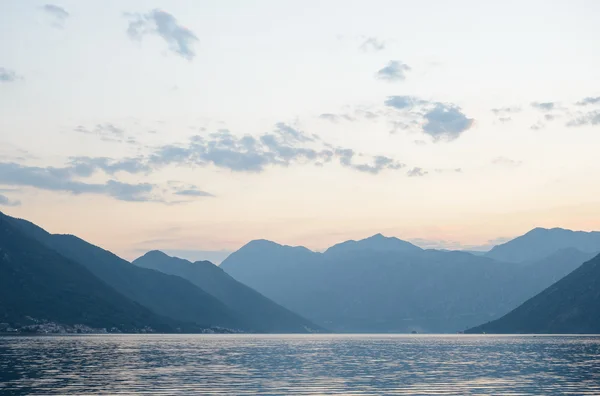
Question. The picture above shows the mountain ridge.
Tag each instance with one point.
(571, 305)
(262, 313)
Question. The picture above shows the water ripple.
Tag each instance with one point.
(300, 365)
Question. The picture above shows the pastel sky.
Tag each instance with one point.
(196, 126)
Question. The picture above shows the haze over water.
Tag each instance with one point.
(294, 364)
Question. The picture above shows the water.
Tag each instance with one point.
(315, 364)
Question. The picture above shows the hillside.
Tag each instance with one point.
(37, 282)
(261, 313)
(571, 305)
(166, 295)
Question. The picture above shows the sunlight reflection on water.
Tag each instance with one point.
(296, 364)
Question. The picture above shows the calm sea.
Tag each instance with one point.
(314, 364)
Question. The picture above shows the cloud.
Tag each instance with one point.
(500, 111)
(62, 179)
(7, 75)
(335, 118)
(537, 126)
(446, 122)
(589, 101)
(58, 14)
(283, 146)
(243, 154)
(372, 44)
(157, 22)
(5, 201)
(394, 71)
(86, 166)
(416, 172)
(403, 102)
(377, 164)
(442, 121)
(106, 131)
(504, 119)
(543, 106)
(506, 162)
(193, 193)
(589, 118)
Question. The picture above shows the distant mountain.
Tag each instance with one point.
(385, 290)
(375, 243)
(541, 242)
(571, 305)
(38, 284)
(166, 295)
(257, 310)
(260, 264)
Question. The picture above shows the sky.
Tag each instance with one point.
(196, 126)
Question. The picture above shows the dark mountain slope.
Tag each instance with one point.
(38, 282)
(263, 314)
(541, 242)
(164, 294)
(571, 305)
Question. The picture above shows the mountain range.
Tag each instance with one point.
(162, 294)
(381, 284)
(257, 310)
(533, 283)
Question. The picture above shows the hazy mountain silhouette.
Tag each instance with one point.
(541, 242)
(37, 282)
(166, 295)
(257, 310)
(385, 290)
(571, 305)
(375, 243)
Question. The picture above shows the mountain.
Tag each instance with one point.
(541, 242)
(570, 306)
(260, 263)
(382, 290)
(257, 310)
(375, 243)
(38, 284)
(166, 295)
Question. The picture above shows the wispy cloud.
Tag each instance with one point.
(336, 117)
(377, 164)
(180, 39)
(589, 118)
(416, 172)
(283, 146)
(372, 44)
(5, 201)
(7, 75)
(589, 101)
(543, 106)
(107, 132)
(193, 193)
(504, 161)
(504, 111)
(57, 14)
(393, 71)
(63, 179)
(86, 166)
